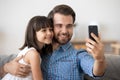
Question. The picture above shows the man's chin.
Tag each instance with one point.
(62, 42)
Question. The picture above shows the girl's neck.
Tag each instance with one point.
(41, 45)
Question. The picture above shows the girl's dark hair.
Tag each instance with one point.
(62, 9)
(34, 25)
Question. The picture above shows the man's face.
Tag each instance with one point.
(63, 28)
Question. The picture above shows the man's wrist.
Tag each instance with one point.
(5, 68)
(101, 60)
(2, 72)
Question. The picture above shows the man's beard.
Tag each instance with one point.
(61, 42)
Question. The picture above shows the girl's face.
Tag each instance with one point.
(44, 35)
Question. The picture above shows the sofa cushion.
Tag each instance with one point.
(113, 68)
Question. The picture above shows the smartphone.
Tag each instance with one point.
(93, 29)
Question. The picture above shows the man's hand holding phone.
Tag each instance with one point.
(94, 44)
(95, 47)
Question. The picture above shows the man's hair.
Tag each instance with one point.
(62, 9)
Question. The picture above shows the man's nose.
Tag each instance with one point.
(64, 30)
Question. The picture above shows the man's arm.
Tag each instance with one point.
(96, 50)
(99, 67)
(3, 60)
(15, 68)
(2, 73)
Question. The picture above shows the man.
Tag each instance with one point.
(66, 63)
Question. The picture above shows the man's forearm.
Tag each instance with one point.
(2, 72)
(4, 61)
(99, 68)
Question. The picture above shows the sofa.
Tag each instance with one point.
(112, 71)
(113, 68)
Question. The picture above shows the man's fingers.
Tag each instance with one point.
(21, 74)
(24, 70)
(97, 39)
(28, 69)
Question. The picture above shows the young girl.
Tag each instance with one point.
(38, 40)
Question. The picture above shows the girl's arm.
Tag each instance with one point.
(34, 60)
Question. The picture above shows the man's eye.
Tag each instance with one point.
(69, 26)
(58, 25)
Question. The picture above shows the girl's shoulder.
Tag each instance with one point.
(31, 54)
(26, 50)
(32, 51)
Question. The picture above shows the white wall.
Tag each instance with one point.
(15, 14)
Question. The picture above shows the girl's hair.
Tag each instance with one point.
(34, 25)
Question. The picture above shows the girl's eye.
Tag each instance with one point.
(44, 30)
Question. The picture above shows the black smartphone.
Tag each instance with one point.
(93, 29)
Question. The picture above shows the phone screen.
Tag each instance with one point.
(93, 29)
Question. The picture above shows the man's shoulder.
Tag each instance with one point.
(81, 51)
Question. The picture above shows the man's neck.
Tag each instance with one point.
(55, 46)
